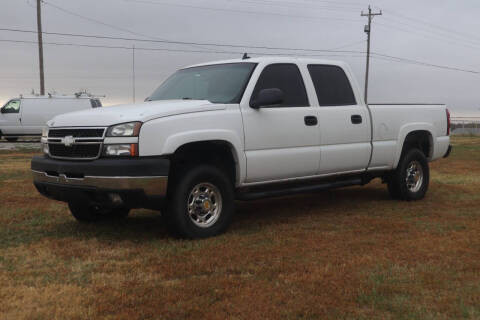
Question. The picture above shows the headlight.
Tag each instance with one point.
(130, 129)
(44, 132)
(121, 150)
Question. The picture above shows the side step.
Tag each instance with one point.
(254, 195)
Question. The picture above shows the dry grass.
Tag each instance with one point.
(350, 254)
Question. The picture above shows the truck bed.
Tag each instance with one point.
(391, 123)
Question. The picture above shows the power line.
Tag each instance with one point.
(242, 46)
(429, 30)
(417, 29)
(432, 36)
(181, 50)
(348, 45)
(295, 5)
(335, 3)
(431, 26)
(427, 64)
(96, 21)
(442, 36)
(237, 10)
(359, 55)
(100, 22)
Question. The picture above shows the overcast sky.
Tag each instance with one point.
(433, 31)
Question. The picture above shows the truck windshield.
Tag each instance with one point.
(221, 83)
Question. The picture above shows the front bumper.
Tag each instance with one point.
(132, 182)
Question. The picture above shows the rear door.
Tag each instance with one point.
(344, 124)
(280, 141)
(10, 117)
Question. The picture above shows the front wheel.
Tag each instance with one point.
(201, 202)
(411, 178)
(92, 213)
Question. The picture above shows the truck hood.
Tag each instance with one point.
(107, 116)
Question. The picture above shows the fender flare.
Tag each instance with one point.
(406, 130)
(175, 141)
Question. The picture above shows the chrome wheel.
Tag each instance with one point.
(414, 178)
(204, 205)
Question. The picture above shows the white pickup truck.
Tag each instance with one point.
(239, 129)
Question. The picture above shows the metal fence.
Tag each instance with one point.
(465, 126)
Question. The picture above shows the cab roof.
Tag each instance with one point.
(274, 59)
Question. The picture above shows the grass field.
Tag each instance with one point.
(345, 254)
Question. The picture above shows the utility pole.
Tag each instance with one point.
(368, 29)
(40, 46)
(133, 72)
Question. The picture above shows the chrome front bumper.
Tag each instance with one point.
(151, 186)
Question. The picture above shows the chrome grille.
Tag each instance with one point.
(76, 133)
(76, 143)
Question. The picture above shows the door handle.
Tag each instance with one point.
(311, 120)
(356, 119)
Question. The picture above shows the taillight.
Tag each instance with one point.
(448, 122)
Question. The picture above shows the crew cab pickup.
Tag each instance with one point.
(236, 130)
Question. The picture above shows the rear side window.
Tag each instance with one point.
(13, 106)
(286, 77)
(332, 85)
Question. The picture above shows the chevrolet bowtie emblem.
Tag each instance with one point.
(68, 141)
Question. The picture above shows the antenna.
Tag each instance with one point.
(245, 56)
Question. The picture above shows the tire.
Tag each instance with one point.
(11, 139)
(91, 213)
(200, 202)
(410, 180)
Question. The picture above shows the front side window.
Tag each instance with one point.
(12, 106)
(286, 77)
(221, 83)
(331, 85)
(95, 103)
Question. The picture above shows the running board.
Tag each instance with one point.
(254, 195)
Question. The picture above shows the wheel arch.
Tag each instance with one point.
(420, 135)
(215, 151)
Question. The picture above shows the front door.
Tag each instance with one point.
(281, 141)
(10, 118)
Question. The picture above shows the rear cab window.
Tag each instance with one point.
(332, 85)
(286, 77)
(12, 106)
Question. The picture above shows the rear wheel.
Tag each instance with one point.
(92, 213)
(411, 178)
(201, 202)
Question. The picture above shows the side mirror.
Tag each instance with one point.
(267, 97)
